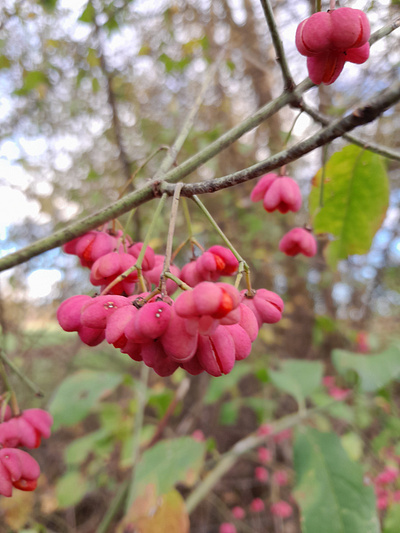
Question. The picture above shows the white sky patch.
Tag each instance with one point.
(40, 283)
(14, 207)
(33, 147)
(9, 150)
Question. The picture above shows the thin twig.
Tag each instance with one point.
(276, 40)
(34, 388)
(385, 151)
(122, 155)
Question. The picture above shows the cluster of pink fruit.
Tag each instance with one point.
(207, 328)
(17, 468)
(386, 482)
(330, 39)
(282, 193)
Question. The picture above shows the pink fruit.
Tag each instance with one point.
(266, 305)
(177, 342)
(149, 256)
(155, 357)
(17, 469)
(216, 353)
(153, 275)
(227, 527)
(298, 241)
(264, 455)
(94, 314)
(282, 509)
(263, 184)
(69, 312)
(190, 275)
(261, 474)
(257, 505)
(238, 513)
(330, 39)
(152, 319)
(283, 195)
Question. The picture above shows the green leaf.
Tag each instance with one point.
(48, 5)
(32, 80)
(298, 378)
(71, 488)
(330, 489)
(79, 393)
(77, 452)
(168, 462)
(4, 62)
(218, 387)
(229, 413)
(392, 519)
(356, 196)
(88, 13)
(374, 371)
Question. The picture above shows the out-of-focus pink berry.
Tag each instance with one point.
(338, 394)
(261, 473)
(154, 356)
(264, 455)
(238, 512)
(328, 381)
(282, 509)
(382, 502)
(281, 477)
(298, 241)
(190, 275)
(362, 342)
(330, 39)
(265, 430)
(257, 505)
(5, 412)
(198, 435)
(286, 434)
(227, 527)
(388, 475)
(17, 469)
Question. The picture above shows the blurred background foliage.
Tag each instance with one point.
(88, 91)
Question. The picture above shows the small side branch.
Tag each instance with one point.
(276, 40)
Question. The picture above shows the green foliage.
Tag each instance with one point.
(298, 378)
(355, 199)
(79, 393)
(168, 462)
(374, 371)
(330, 489)
(88, 13)
(218, 387)
(392, 519)
(71, 488)
(33, 79)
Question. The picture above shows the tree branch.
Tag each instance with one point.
(367, 145)
(362, 115)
